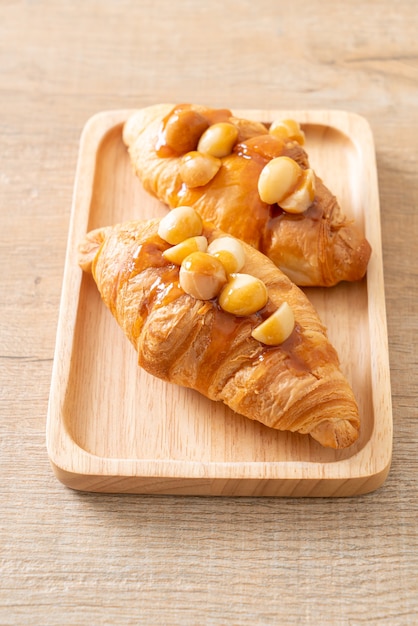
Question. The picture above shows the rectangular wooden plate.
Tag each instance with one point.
(113, 428)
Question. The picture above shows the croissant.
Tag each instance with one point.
(295, 386)
(318, 246)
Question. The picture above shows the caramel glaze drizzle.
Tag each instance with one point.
(225, 328)
(228, 333)
(224, 331)
(163, 290)
(210, 116)
(260, 149)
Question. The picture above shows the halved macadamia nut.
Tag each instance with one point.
(218, 140)
(289, 130)
(176, 254)
(229, 251)
(243, 295)
(183, 130)
(179, 224)
(303, 196)
(202, 276)
(277, 327)
(197, 169)
(278, 179)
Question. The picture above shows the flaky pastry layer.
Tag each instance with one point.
(321, 247)
(297, 386)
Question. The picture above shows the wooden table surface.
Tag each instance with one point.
(80, 558)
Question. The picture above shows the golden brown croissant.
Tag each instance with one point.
(295, 386)
(316, 247)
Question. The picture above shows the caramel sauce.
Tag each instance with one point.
(149, 254)
(314, 212)
(223, 330)
(311, 216)
(165, 287)
(226, 330)
(261, 148)
(164, 290)
(288, 348)
(276, 211)
(163, 150)
(215, 116)
(188, 128)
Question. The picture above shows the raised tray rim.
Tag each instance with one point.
(79, 469)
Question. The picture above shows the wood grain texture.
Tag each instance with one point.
(70, 558)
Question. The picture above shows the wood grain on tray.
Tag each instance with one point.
(114, 428)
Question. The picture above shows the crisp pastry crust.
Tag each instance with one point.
(320, 247)
(297, 386)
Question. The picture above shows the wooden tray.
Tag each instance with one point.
(113, 428)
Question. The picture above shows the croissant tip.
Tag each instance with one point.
(335, 434)
(356, 252)
(89, 247)
(140, 120)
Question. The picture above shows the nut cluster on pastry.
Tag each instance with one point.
(202, 146)
(212, 270)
